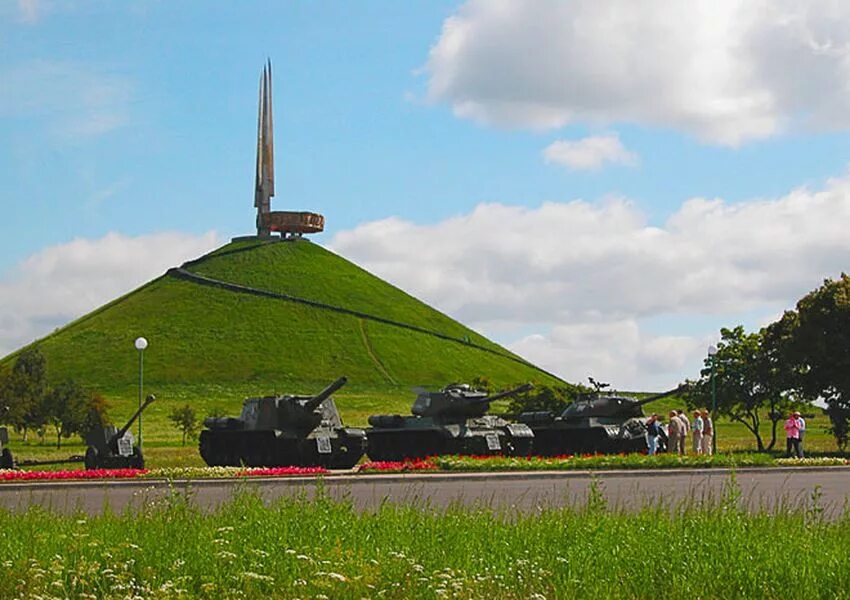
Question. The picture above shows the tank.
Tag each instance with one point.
(111, 448)
(453, 420)
(7, 461)
(289, 430)
(599, 423)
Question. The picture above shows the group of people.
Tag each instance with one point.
(701, 430)
(795, 427)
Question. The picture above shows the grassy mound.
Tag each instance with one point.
(294, 317)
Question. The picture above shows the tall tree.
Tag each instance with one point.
(67, 409)
(23, 390)
(749, 384)
(821, 349)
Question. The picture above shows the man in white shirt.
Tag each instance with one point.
(683, 440)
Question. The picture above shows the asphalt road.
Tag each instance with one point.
(768, 489)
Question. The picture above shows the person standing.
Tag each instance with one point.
(696, 432)
(686, 425)
(792, 437)
(802, 426)
(673, 433)
(653, 430)
(707, 434)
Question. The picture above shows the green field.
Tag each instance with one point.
(324, 549)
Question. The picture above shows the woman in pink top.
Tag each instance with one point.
(792, 437)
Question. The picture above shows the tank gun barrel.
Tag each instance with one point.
(120, 433)
(654, 397)
(517, 390)
(314, 402)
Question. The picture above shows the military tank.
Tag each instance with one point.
(289, 430)
(599, 423)
(111, 448)
(450, 421)
(7, 461)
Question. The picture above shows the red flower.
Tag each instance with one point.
(71, 474)
(279, 471)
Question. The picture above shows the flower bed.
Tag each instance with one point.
(445, 463)
(166, 473)
(823, 461)
(11, 475)
(599, 461)
(386, 466)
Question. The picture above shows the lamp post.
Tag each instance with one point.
(712, 354)
(141, 343)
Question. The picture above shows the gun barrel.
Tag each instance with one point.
(517, 390)
(120, 433)
(654, 397)
(316, 400)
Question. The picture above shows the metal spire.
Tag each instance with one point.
(264, 178)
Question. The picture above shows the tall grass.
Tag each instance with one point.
(324, 548)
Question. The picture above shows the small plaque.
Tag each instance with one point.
(323, 444)
(493, 441)
(125, 446)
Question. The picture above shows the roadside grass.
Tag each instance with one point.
(322, 548)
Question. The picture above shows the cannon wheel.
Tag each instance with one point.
(137, 461)
(92, 459)
(7, 461)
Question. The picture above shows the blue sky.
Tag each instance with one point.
(137, 120)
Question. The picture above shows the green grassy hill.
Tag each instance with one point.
(254, 318)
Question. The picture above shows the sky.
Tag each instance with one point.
(600, 186)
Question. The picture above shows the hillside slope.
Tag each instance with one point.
(275, 316)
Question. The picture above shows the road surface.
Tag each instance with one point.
(769, 489)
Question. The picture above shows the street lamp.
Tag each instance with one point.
(712, 353)
(141, 343)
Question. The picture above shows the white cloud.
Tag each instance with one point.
(562, 267)
(75, 100)
(29, 11)
(616, 351)
(63, 282)
(727, 71)
(589, 153)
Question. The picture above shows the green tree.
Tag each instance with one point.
(23, 390)
(96, 415)
(185, 419)
(67, 409)
(483, 383)
(542, 398)
(821, 350)
(750, 382)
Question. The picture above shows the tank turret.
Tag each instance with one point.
(453, 420)
(459, 399)
(284, 430)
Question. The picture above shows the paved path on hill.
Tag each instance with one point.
(765, 488)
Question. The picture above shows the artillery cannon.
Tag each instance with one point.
(7, 461)
(453, 420)
(111, 448)
(288, 430)
(603, 423)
